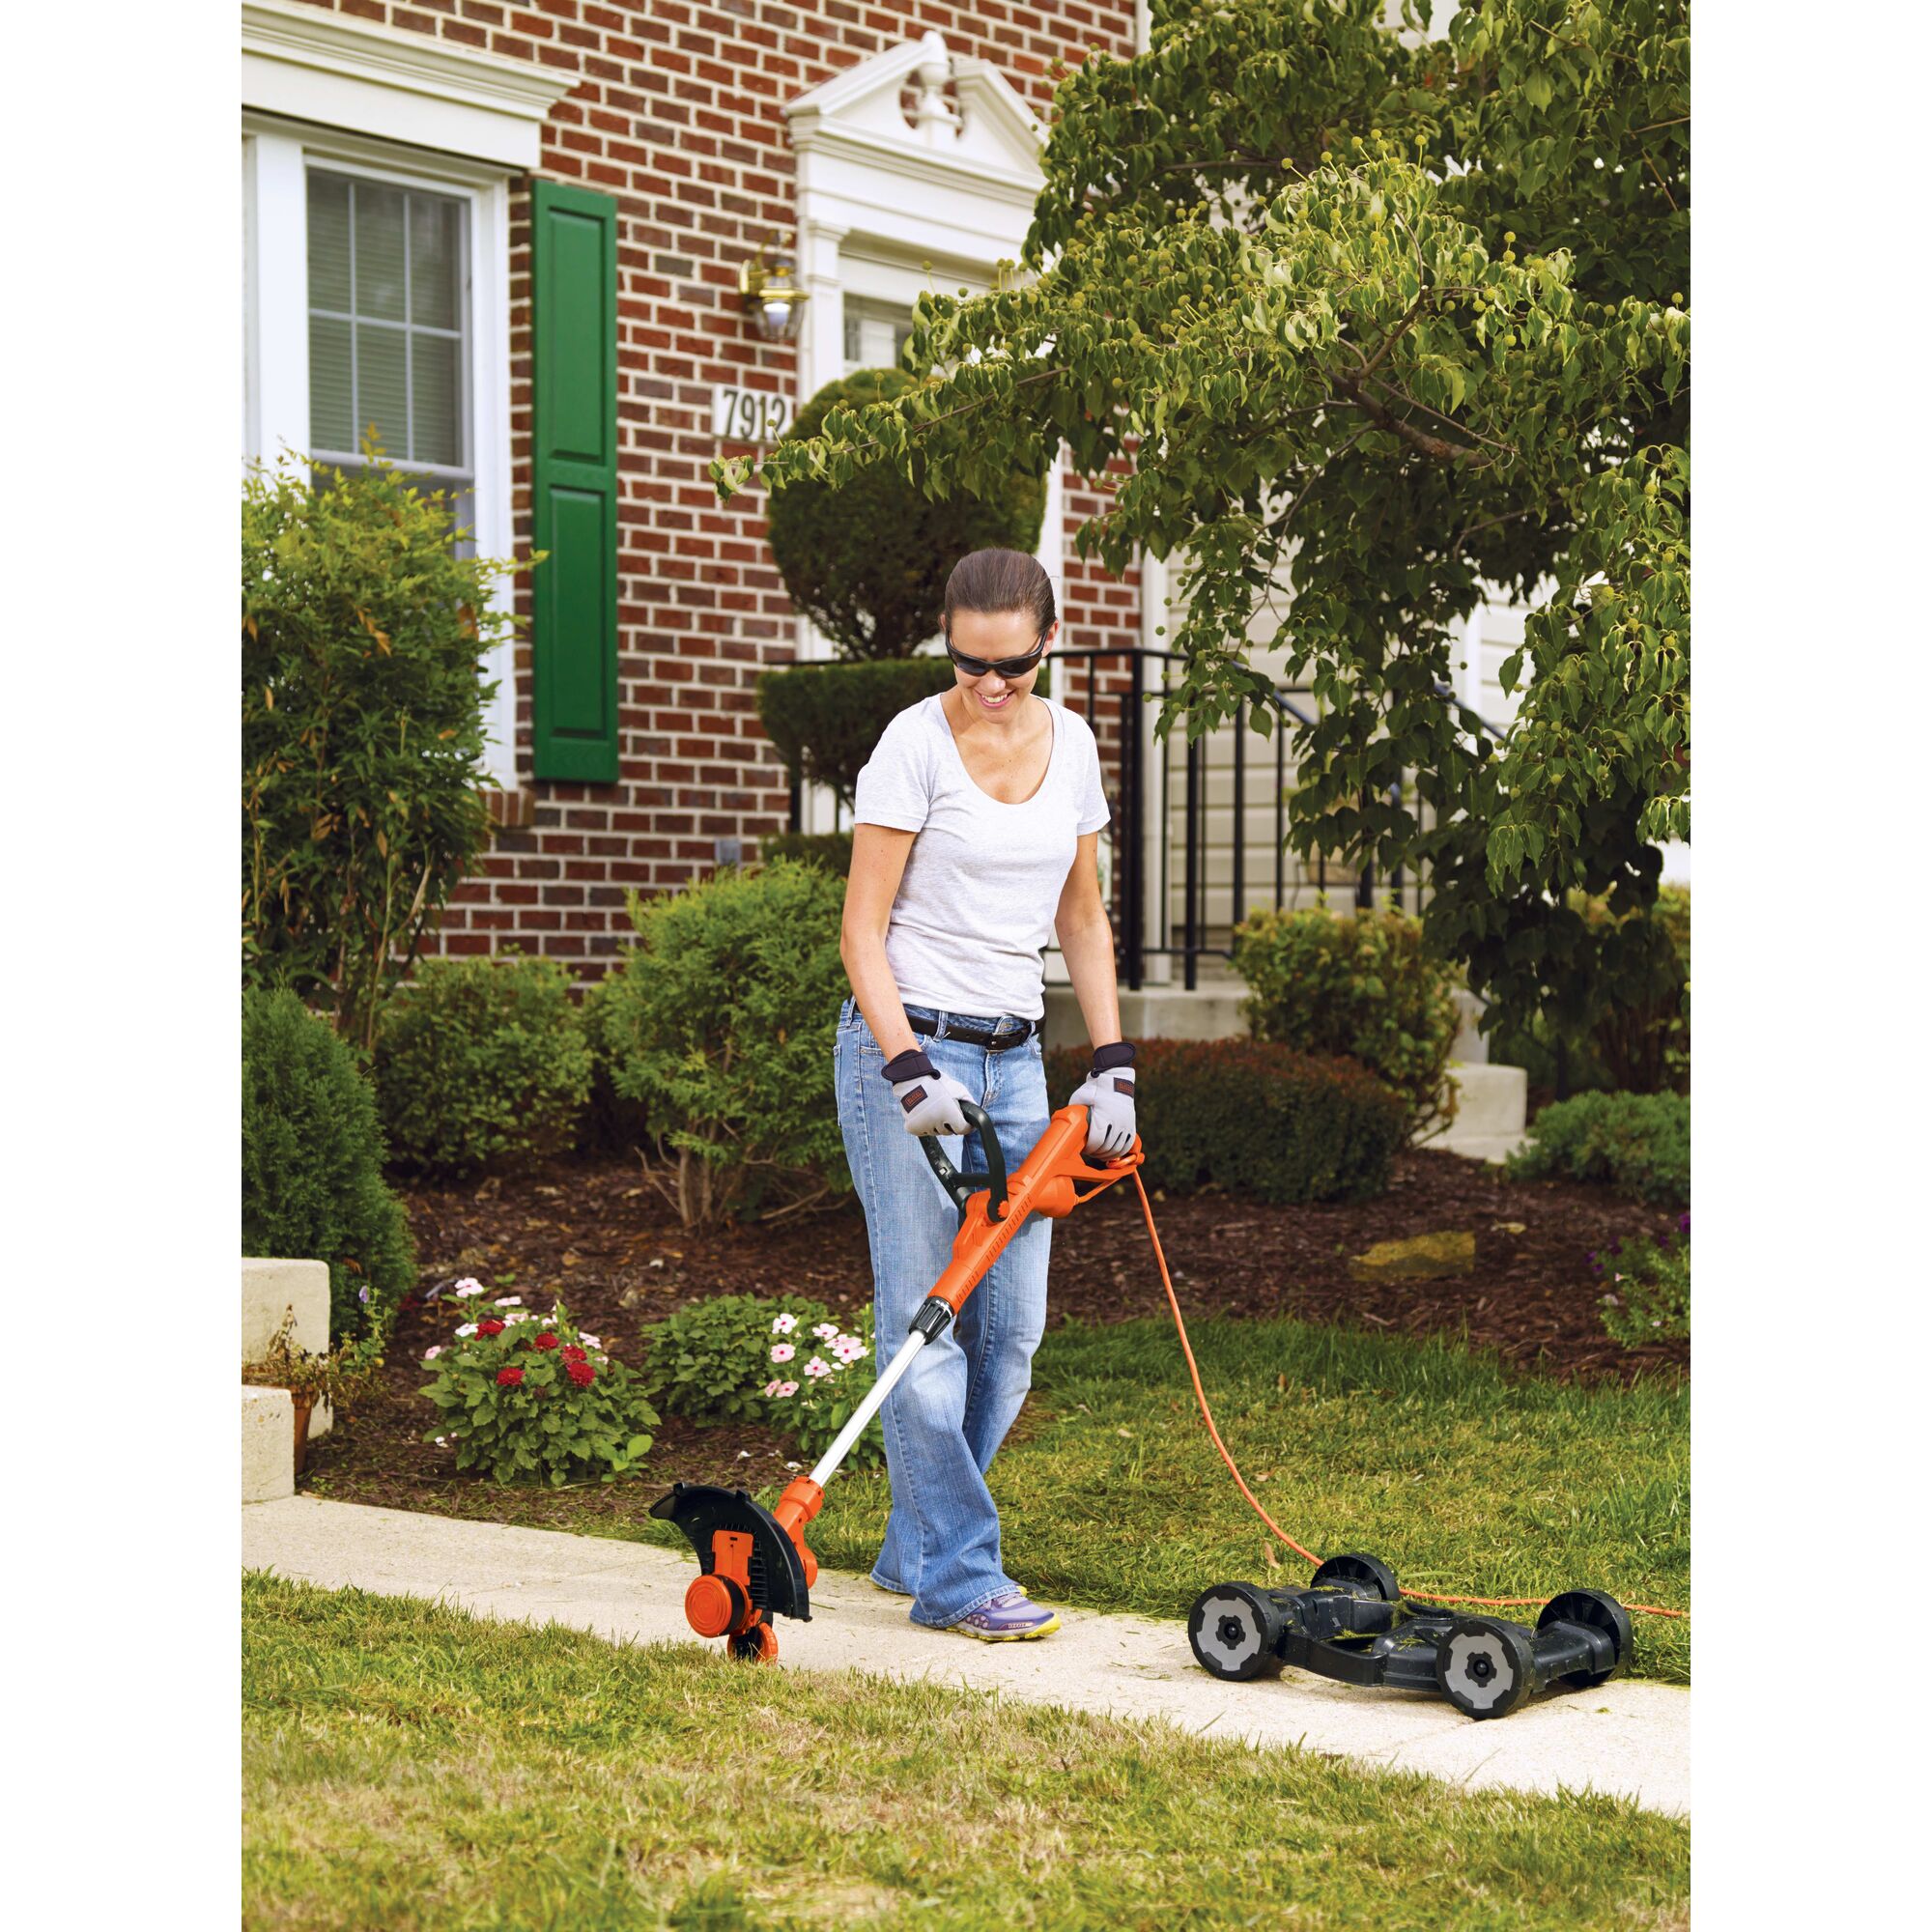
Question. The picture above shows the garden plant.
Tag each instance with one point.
(530, 1398)
(364, 639)
(312, 1156)
(781, 1361)
(1639, 1144)
(1356, 983)
(720, 1026)
(479, 1064)
(1646, 1287)
(1255, 1119)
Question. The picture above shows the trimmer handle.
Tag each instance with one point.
(963, 1186)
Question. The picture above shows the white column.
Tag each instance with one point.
(1155, 578)
(275, 204)
(490, 426)
(821, 359)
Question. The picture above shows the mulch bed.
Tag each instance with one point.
(590, 1231)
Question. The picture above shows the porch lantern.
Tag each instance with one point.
(768, 293)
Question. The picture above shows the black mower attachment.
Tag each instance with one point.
(1351, 1622)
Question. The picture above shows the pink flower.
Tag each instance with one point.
(782, 1352)
(509, 1301)
(431, 1355)
(786, 1388)
(467, 1286)
(827, 1332)
(588, 1341)
(815, 1367)
(848, 1349)
(771, 1388)
(783, 1325)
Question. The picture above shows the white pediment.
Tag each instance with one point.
(991, 134)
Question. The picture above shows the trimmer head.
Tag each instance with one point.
(750, 1570)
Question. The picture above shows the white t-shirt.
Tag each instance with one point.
(983, 879)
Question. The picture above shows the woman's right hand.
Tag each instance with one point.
(929, 1097)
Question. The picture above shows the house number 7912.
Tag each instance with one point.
(748, 416)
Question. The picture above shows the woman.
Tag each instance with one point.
(976, 824)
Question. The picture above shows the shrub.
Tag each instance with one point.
(340, 1378)
(714, 1362)
(1639, 1144)
(721, 1024)
(312, 1164)
(481, 1063)
(866, 557)
(1358, 984)
(363, 637)
(609, 1123)
(1638, 989)
(533, 1399)
(825, 719)
(1646, 1288)
(831, 850)
(1254, 1119)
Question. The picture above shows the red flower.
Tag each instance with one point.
(509, 1377)
(573, 1353)
(543, 1341)
(580, 1373)
(488, 1327)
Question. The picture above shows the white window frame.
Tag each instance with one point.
(277, 157)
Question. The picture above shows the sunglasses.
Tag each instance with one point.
(1008, 668)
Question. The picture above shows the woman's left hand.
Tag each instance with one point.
(1108, 1096)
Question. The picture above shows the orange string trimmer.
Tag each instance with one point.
(1206, 1416)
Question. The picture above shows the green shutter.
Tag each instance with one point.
(574, 591)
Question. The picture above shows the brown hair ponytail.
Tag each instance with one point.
(997, 581)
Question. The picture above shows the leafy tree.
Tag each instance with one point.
(363, 637)
(1409, 315)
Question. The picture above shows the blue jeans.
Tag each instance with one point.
(944, 1421)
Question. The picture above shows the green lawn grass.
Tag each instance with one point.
(409, 1767)
(1460, 1477)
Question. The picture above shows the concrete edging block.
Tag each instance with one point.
(267, 1444)
(270, 1286)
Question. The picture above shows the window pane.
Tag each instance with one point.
(439, 401)
(382, 390)
(379, 250)
(851, 337)
(328, 244)
(331, 406)
(436, 260)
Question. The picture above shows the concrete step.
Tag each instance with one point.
(267, 1444)
(1491, 1106)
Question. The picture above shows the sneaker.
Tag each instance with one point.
(1006, 1619)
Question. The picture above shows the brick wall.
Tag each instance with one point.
(678, 114)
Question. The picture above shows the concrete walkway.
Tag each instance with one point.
(1627, 1738)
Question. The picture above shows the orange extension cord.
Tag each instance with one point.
(1206, 1416)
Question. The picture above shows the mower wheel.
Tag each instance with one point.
(1484, 1667)
(1357, 1569)
(1235, 1632)
(757, 1645)
(1591, 1607)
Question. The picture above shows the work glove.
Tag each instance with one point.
(930, 1099)
(1108, 1096)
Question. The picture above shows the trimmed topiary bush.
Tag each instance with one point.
(867, 558)
(1358, 984)
(1639, 1144)
(721, 1026)
(481, 1064)
(1254, 1119)
(312, 1158)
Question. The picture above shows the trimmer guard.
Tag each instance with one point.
(778, 1586)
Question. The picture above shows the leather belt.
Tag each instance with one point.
(929, 1025)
